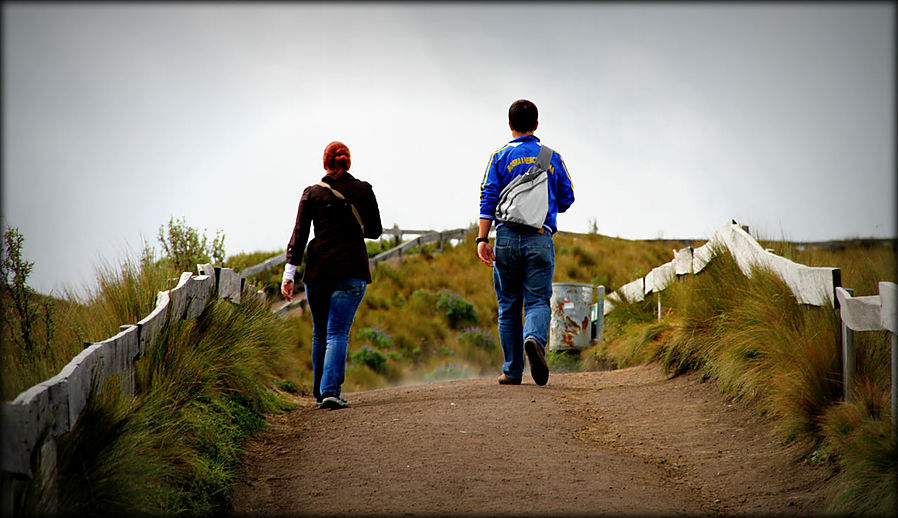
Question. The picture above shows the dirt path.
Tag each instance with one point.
(615, 442)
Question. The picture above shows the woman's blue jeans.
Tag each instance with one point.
(333, 304)
(522, 277)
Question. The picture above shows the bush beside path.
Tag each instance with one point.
(630, 441)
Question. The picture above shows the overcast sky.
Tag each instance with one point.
(672, 118)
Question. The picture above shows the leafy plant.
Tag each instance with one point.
(479, 338)
(185, 247)
(376, 337)
(457, 310)
(21, 306)
(371, 358)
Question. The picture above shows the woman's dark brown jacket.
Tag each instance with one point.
(338, 249)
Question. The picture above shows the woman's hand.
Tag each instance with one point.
(287, 289)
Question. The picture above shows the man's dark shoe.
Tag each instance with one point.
(505, 380)
(333, 403)
(538, 367)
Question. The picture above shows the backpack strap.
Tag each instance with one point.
(340, 196)
(545, 157)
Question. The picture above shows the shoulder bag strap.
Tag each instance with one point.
(545, 157)
(340, 196)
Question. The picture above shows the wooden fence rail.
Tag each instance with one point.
(423, 239)
(425, 236)
(810, 285)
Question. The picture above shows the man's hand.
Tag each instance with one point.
(485, 253)
(287, 289)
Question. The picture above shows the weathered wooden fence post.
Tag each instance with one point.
(888, 314)
(848, 362)
(848, 355)
(862, 314)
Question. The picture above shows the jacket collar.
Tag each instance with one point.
(343, 177)
(525, 138)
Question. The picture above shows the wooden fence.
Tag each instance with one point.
(35, 418)
(817, 286)
(810, 285)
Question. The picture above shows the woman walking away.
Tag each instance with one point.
(344, 211)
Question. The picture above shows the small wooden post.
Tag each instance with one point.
(658, 293)
(49, 481)
(894, 386)
(848, 357)
(888, 299)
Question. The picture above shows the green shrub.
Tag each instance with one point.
(457, 310)
(185, 247)
(479, 338)
(376, 337)
(19, 303)
(372, 358)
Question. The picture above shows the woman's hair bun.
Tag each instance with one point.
(336, 157)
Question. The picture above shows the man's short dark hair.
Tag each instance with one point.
(523, 116)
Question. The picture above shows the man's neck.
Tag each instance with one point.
(517, 134)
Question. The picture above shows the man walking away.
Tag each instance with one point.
(523, 259)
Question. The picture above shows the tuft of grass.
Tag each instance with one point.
(123, 294)
(174, 448)
(564, 361)
(867, 456)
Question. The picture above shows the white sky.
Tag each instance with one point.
(672, 118)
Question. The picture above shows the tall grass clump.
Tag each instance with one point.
(123, 294)
(174, 448)
(858, 434)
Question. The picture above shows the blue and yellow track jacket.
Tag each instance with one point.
(513, 160)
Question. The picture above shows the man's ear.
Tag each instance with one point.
(535, 125)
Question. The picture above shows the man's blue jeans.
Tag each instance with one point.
(333, 304)
(522, 277)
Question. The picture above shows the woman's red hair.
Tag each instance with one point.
(336, 158)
